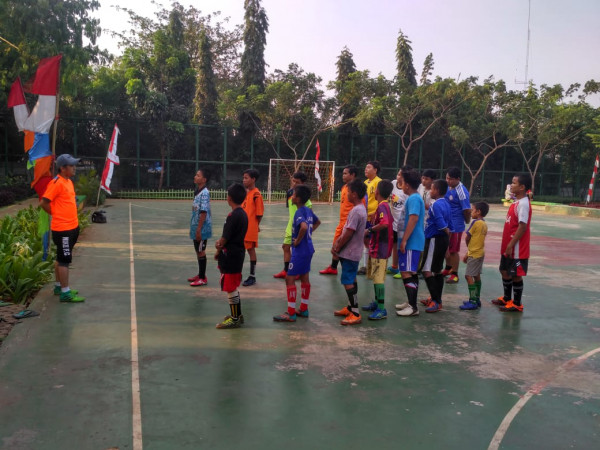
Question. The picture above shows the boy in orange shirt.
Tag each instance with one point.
(254, 208)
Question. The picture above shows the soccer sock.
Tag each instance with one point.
(252, 267)
(365, 257)
(478, 289)
(517, 292)
(353, 300)
(202, 267)
(508, 287)
(235, 304)
(334, 263)
(380, 295)
(432, 287)
(411, 285)
(439, 279)
(57, 283)
(472, 292)
(291, 298)
(304, 294)
(286, 266)
(65, 289)
(448, 268)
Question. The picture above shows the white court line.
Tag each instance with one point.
(160, 209)
(135, 368)
(535, 389)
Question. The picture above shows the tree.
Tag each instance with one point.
(160, 81)
(486, 121)
(348, 104)
(206, 98)
(345, 65)
(427, 69)
(404, 60)
(253, 59)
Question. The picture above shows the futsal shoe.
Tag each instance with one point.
(362, 271)
(446, 272)
(434, 307)
(511, 307)
(351, 319)
(285, 317)
(378, 314)
(398, 276)
(199, 282)
(194, 278)
(281, 274)
(370, 307)
(58, 291)
(477, 302)
(302, 313)
(250, 281)
(342, 312)
(403, 305)
(70, 297)
(500, 301)
(408, 312)
(426, 302)
(240, 318)
(328, 271)
(229, 322)
(469, 306)
(452, 279)
(392, 270)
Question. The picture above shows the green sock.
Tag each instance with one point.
(472, 292)
(380, 295)
(478, 289)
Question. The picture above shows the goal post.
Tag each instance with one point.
(280, 177)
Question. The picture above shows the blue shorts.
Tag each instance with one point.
(299, 265)
(409, 260)
(349, 271)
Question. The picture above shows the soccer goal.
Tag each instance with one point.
(280, 177)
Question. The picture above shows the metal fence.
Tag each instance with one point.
(224, 153)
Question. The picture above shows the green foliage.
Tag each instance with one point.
(22, 271)
(88, 184)
(427, 69)
(404, 60)
(207, 97)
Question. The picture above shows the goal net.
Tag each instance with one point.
(280, 177)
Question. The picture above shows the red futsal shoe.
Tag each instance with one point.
(328, 271)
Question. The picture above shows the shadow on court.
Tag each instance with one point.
(444, 380)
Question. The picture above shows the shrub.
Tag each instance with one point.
(88, 184)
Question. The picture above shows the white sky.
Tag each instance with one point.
(466, 37)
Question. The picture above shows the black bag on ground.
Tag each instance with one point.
(99, 216)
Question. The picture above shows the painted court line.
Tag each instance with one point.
(535, 389)
(135, 368)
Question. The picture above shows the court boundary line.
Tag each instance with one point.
(534, 390)
(135, 368)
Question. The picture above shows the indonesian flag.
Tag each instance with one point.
(111, 160)
(317, 176)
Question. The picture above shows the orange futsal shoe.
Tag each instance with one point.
(328, 271)
(500, 301)
(281, 274)
(342, 312)
(511, 307)
(426, 302)
(351, 319)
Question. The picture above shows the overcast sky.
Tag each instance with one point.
(466, 37)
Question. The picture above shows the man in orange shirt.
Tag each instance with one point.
(348, 175)
(59, 202)
(254, 208)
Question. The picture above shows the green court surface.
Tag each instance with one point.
(451, 380)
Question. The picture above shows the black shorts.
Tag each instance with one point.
(200, 246)
(395, 237)
(65, 241)
(434, 254)
(514, 267)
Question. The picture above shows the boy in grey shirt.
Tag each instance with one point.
(349, 248)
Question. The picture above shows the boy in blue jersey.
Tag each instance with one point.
(297, 178)
(437, 237)
(380, 249)
(200, 226)
(460, 204)
(413, 241)
(305, 222)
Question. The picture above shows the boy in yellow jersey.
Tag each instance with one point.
(475, 241)
(372, 174)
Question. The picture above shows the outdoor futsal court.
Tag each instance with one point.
(141, 365)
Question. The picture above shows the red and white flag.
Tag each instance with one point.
(111, 160)
(317, 175)
(590, 194)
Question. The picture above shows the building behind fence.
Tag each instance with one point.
(225, 154)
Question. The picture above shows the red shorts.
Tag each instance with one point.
(230, 281)
(454, 244)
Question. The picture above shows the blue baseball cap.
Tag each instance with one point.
(66, 160)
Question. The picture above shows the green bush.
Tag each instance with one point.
(88, 184)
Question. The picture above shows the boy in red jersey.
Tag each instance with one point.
(515, 246)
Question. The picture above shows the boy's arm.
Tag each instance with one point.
(45, 204)
(521, 229)
(410, 226)
(301, 234)
(342, 240)
(201, 220)
(467, 215)
(316, 224)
